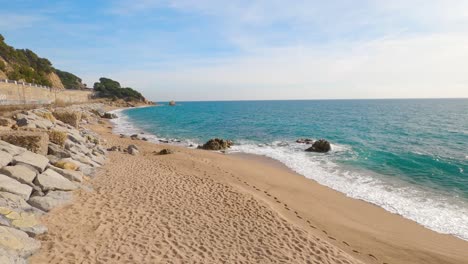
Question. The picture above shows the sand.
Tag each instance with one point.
(196, 206)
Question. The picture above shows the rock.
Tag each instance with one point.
(217, 144)
(72, 118)
(165, 152)
(113, 148)
(10, 185)
(144, 139)
(22, 173)
(132, 146)
(108, 115)
(5, 158)
(13, 201)
(172, 103)
(11, 149)
(134, 136)
(66, 164)
(51, 200)
(57, 151)
(37, 161)
(50, 180)
(320, 146)
(132, 150)
(57, 137)
(23, 221)
(76, 176)
(34, 141)
(6, 122)
(23, 122)
(12, 240)
(305, 141)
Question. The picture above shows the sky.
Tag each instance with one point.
(252, 49)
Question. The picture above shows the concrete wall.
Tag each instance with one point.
(18, 93)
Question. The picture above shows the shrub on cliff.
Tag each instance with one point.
(108, 88)
(69, 80)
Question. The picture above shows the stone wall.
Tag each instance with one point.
(18, 93)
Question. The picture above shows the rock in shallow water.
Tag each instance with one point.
(320, 146)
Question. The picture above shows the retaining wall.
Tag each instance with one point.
(15, 93)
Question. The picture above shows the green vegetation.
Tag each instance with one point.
(69, 80)
(108, 88)
(25, 64)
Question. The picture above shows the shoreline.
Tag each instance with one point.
(361, 230)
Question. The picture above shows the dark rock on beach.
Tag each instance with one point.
(321, 145)
(165, 152)
(217, 144)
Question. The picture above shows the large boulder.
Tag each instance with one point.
(13, 201)
(37, 161)
(24, 221)
(17, 242)
(217, 144)
(320, 145)
(57, 151)
(5, 158)
(22, 173)
(11, 149)
(51, 200)
(34, 141)
(132, 150)
(10, 185)
(76, 176)
(50, 180)
(72, 118)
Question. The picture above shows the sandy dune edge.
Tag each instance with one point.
(200, 207)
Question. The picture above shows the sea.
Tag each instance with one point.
(408, 156)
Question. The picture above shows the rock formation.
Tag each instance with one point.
(320, 145)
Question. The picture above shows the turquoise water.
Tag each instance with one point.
(408, 156)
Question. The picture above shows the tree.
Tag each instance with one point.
(108, 88)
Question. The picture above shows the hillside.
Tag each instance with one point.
(25, 65)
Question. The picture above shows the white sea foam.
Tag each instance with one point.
(436, 211)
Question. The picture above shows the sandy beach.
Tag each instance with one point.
(197, 206)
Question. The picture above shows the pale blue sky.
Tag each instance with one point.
(227, 50)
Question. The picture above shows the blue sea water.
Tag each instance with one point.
(408, 156)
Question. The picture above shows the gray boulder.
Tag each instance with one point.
(51, 200)
(21, 173)
(11, 149)
(76, 176)
(13, 201)
(57, 151)
(10, 185)
(37, 161)
(50, 180)
(17, 242)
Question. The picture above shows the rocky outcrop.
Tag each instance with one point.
(217, 144)
(320, 145)
(172, 103)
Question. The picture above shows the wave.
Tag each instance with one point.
(435, 210)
